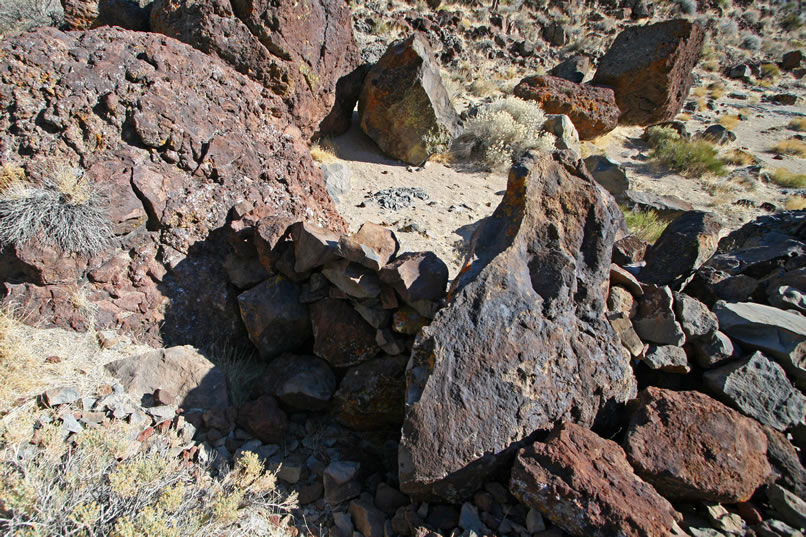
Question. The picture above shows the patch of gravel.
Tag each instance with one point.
(397, 198)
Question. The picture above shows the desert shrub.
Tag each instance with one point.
(501, 132)
(92, 488)
(770, 70)
(66, 211)
(728, 28)
(646, 225)
(792, 146)
(798, 124)
(752, 16)
(21, 15)
(751, 42)
(730, 121)
(688, 157)
(323, 151)
(785, 178)
(689, 7)
(737, 157)
(794, 203)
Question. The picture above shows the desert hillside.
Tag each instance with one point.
(517, 268)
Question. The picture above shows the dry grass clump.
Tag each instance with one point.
(687, 157)
(770, 71)
(16, 363)
(501, 132)
(792, 146)
(785, 178)
(730, 122)
(10, 175)
(94, 487)
(795, 203)
(66, 211)
(737, 157)
(646, 225)
(798, 124)
(717, 90)
(323, 151)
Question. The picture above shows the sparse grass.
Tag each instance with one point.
(798, 124)
(730, 122)
(717, 90)
(737, 157)
(10, 175)
(16, 364)
(785, 178)
(770, 71)
(792, 146)
(795, 203)
(66, 211)
(501, 132)
(323, 151)
(683, 116)
(700, 91)
(646, 225)
(687, 157)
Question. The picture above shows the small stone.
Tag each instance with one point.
(694, 317)
(469, 519)
(713, 350)
(389, 499)
(724, 520)
(655, 321)
(368, 519)
(344, 524)
(264, 419)
(667, 358)
(789, 507)
(353, 279)
(340, 480)
(534, 521)
(60, 396)
(610, 174)
(621, 301)
(164, 397)
(629, 338)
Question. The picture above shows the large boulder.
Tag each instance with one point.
(174, 140)
(585, 485)
(403, 105)
(370, 395)
(298, 53)
(691, 447)
(650, 69)
(592, 110)
(523, 342)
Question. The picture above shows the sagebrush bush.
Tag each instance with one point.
(501, 132)
(798, 124)
(751, 42)
(689, 7)
(66, 211)
(646, 225)
(21, 15)
(687, 157)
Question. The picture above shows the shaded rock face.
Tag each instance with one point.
(371, 394)
(584, 484)
(650, 69)
(403, 105)
(592, 110)
(170, 176)
(128, 14)
(523, 342)
(691, 447)
(297, 52)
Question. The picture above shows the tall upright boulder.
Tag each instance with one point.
(403, 105)
(523, 342)
(298, 52)
(650, 68)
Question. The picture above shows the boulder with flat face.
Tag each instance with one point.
(403, 105)
(650, 69)
(585, 485)
(523, 342)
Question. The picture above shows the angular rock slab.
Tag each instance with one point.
(650, 69)
(303, 382)
(523, 342)
(758, 387)
(592, 110)
(778, 333)
(403, 105)
(584, 484)
(692, 447)
(371, 395)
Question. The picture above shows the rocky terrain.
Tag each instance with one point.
(377, 268)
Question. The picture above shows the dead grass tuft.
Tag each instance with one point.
(792, 146)
(785, 178)
(730, 122)
(795, 203)
(737, 157)
(798, 124)
(324, 152)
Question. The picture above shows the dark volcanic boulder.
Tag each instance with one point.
(592, 110)
(523, 342)
(584, 484)
(297, 52)
(403, 105)
(691, 447)
(370, 395)
(650, 69)
(173, 139)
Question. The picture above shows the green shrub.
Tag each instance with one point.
(785, 178)
(646, 225)
(501, 133)
(66, 211)
(687, 157)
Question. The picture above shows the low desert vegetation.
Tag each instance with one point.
(501, 132)
(730, 122)
(770, 71)
(646, 225)
(737, 157)
(66, 210)
(792, 146)
(795, 203)
(785, 178)
(798, 124)
(687, 157)
(323, 151)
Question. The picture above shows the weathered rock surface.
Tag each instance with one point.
(341, 336)
(523, 342)
(778, 333)
(303, 382)
(655, 320)
(86, 14)
(688, 242)
(182, 371)
(691, 447)
(110, 97)
(759, 388)
(297, 53)
(371, 395)
(667, 358)
(650, 69)
(404, 107)
(264, 419)
(785, 462)
(609, 174)
(416, 276)
(585, 485)
(573, 69)
(696, 320)
(592, 110)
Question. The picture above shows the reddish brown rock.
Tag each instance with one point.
(264, 419)
(86, 14)
(372, 246)
(417, 276)
(348, 89)
(117, 117)
(592, 110)
(297, 53)
(303, 382)
(650, 69)
(691, 447)
(371, 395)
(584, 484)
(523, 342)
(341, 336)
